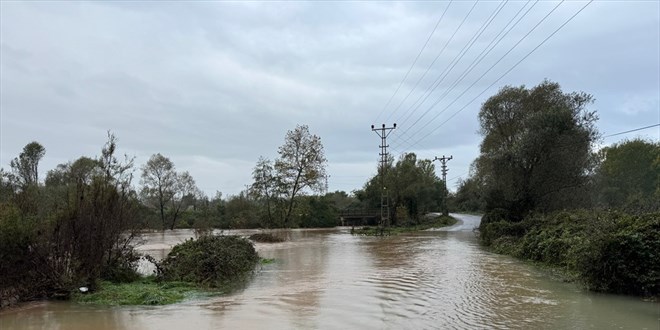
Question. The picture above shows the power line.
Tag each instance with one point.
(415, 61)
(487, 71)
(437, 56)
(503, 75)
(632, 130)
(452, 64)
(484, 53)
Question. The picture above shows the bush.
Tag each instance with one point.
(213, 261)
(626, 260)
(266, 238)
(608, 251)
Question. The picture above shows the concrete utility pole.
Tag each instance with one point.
(383, 132)
(444, 161)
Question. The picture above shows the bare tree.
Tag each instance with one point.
(166, 188)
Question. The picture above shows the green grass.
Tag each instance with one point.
(143, 292)
(266, 261)
(437, 222)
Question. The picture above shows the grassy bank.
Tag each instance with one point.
(143, 292)
(205, 266)
(604, 250)
(434, 222)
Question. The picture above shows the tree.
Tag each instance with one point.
(25, 167)
(629, 172)
(469, 195)
(413, 188)
(536, 148)
(301, 165)
(166, 188)
(265, 186)
(158, 182)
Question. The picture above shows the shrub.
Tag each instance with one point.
(210, 260)
(626, 260)
(608, 251)
(266, 238)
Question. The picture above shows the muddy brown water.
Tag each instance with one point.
(329, 279)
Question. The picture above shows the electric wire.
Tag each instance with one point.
(448, 69)
(414, 61)
(484, 53)
(501, 76)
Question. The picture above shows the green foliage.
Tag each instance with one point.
(25, 167)
(74, 230)
(469, 196)
(318, 212)
(411, 183)
(629, 176)
(143, 292)
(607, 251)
(214, 261)
(535, 154)
(242, 211)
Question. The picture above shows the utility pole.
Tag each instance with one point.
(444, 161)
(383, 132)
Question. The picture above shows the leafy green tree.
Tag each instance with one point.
(535, 154)
(411, 184)
(629, 172)
(301, 165)
(469, 195)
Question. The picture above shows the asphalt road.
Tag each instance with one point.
(466, 222)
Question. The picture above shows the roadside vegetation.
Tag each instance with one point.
(549, 198)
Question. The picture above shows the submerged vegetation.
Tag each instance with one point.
(428, 223)
(266, 238)
(210, 261)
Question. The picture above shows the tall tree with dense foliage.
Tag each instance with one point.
(629, 173)
(536, 151)
(301, 165)
(413, 187)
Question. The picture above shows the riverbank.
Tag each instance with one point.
(323, 279)
(606, 251)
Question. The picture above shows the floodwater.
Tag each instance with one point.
(329, 279)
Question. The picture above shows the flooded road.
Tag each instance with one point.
(329, 279)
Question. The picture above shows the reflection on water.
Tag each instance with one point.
(328, 279)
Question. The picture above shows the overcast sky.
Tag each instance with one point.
(214, 85)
